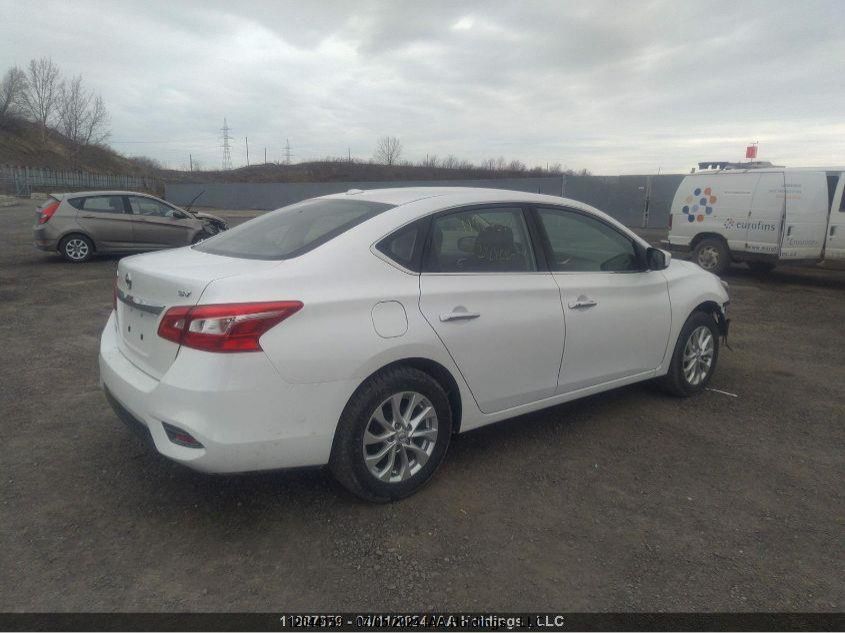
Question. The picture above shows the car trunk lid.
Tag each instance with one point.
(148, 285)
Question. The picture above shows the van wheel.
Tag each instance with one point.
(695, 356)
(761, 267)
(76, 248)
(392, 435)
(712, 255)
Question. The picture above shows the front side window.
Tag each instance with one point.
(99, 204)
(581, 243)
(150, 207)
(480, 240)
(292, 230)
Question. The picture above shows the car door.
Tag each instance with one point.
(807, 209)
(835, 240)
(498, 315)
(158, 225)
(617, 313)
(106, 220)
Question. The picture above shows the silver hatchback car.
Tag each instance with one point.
(77, 225)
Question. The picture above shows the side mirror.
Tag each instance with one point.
(658, 259)
(466, 244)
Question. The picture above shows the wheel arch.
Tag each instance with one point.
(707, 235)
(439, 373)
(714, 309)
(71, 233)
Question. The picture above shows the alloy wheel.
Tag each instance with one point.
(76, 249)
(698, 355)
(400, 437)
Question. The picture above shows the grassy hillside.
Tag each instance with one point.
(334, 171)
(21, 145)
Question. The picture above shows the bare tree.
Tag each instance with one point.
(430, 160)
(82, 115)
(42, 93)
(12, 89)
(450, 162)
(516, 165)
(96, 130)
(388, 150)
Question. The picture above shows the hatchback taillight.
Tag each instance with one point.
(225, 327)
(47, 212)
(670, 220)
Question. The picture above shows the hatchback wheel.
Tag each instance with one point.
(695, 356)
(392, 435)
(77, 248)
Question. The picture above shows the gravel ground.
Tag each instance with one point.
(631, 500)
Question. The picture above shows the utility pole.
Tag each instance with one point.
(349, 154)
(191, 161)
(227, 149)
(265, 155)
(287, 151)
(247, 150)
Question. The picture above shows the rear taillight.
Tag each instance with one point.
(114, 294)
(670, 220)
(225, 327)
(47, 212)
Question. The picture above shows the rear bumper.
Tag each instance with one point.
(44, 238)
(235, 405)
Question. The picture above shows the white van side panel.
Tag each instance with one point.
(806, 215)
(713, 203)
(835, 245)
(762, 227)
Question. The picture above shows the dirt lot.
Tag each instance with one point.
(631, 500)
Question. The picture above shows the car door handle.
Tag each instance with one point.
(458, 314)
(583, 301)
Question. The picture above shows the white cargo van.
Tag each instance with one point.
(759, 216)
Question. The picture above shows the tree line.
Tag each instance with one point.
(40, 94)
(389, 152)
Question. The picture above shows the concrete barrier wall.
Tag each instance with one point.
(623, 197)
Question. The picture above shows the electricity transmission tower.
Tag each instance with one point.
(227, 150)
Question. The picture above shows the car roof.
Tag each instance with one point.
(83, 194)
(446, 196)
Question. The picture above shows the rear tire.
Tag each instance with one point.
(76, 248)
(712, 255)
(761, 267)
(380, 456)
(697, 345)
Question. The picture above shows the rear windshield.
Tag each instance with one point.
(293, 230)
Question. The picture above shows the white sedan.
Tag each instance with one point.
(362, 330)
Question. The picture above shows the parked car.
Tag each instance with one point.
(759, 216)
(362, 330)
(77, 225)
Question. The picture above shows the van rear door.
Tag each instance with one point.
(762, 231)
(835, 245)
(805, 226)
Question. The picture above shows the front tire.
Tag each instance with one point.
(76, 248)
(712, 255)
(695, 356)
(392, 435)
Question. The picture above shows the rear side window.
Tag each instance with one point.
(293, 230)
(99, 204)
(493, 240)
(402, 246)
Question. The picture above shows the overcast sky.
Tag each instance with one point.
(618, 87)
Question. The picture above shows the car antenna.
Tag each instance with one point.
(191, 203)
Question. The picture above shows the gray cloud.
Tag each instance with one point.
(614, 87)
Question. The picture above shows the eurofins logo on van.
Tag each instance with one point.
(699, 200)
(731, 224)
